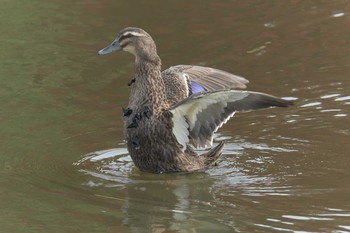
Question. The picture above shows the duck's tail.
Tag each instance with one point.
(213, 154)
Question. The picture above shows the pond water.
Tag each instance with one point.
(64, 166)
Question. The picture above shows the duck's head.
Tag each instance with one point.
(135, 41)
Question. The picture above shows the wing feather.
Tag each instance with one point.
(196, 118)
(211, 79)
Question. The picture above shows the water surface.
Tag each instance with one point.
(64, 166)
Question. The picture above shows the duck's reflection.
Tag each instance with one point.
(163, 203)
(151, 202)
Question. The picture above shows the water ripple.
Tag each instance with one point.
(343, 98)
(316, 103)
(306, 218)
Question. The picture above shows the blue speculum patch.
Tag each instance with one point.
(196, 87)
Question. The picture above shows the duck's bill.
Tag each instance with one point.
(115, 46)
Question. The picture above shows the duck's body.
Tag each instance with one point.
(169, 110)
(147, 129)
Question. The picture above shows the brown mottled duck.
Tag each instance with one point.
(171, 112)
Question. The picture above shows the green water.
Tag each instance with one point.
(63, 162)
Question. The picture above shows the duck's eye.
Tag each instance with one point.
(113, 44)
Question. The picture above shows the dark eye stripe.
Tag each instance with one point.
(123, 37)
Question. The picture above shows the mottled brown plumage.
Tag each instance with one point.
(181, 105)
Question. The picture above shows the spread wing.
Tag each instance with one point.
(196, 118)
(209, 78)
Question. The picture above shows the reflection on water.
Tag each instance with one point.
(150, 200)
(225, 193)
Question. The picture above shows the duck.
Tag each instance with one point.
(172, 112)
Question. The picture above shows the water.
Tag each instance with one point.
(64, 166)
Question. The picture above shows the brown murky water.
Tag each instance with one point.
(63, 163)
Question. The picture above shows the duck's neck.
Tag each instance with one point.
(148, 88)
